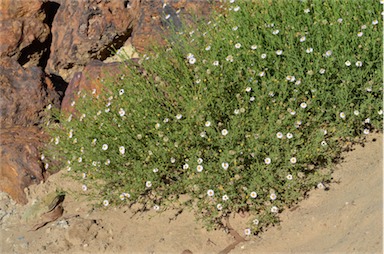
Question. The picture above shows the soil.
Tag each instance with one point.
(347, 217)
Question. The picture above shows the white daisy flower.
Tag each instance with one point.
(274, 209)
(199, 168)
(293, 160)
(253, 194)
(225, 165)
(122, 150)
(210, 193)
(224, 132)
(267, 161)
(148, 184)
(105, 202)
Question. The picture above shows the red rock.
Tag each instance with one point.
(20, 160)
(153, 20)
(87, 80)
(22, 25)
(24, 94)
(87, 29)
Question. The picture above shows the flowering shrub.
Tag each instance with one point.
(239, 114)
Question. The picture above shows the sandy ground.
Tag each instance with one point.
(348, 218)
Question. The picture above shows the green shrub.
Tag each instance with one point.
(240, 114)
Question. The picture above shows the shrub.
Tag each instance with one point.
(240, 114)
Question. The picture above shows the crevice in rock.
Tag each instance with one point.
(60, 85)
(116, 44)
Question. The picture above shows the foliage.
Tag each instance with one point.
(239, 114)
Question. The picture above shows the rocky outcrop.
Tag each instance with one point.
(20, 161)
(86, 30)
(23, 30)
(24, 94)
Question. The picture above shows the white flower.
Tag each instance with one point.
(247, 231)
(93, 91)
(375, 22)
(80, 159)
(320, 186)
(368, 120)
(210, 193)
(219, 207)
(248, 89)
(157, 126)
(262, 74)
(105, 202)
(366, 131)
(236, 111)
(46, 165)
(279, 135)
(199, 168)
(380, 112)
(272, 196)
(207, 47)
(267, 161)
(303, 105)
(279, 52)
(122, 196)
(199, 160)
(57, 140)
(185, 166)
(256, 222)
(84, 187)
(289, 135)
(155, 170)
(42, 157)
(307, 10)
(104, 147)
(225, 198)
(348, 63)
(179, 116)
(166, 120)
(289, 177)
(253, 47)
(122, 149)
(235, 28)
(121, 112)
(107, 162)
(225, 165)
(323, 143)
(216, 63)
(309, 50)
(328, 53)
(207, 123)
(50, 105)
(275, 32)
(359, 34)
(236, 8)
(359, 64)
(121, 91)
(302, 39)
(148, 184)
(342, 115)
(263, 56)
(173, 160)
(339, 20)
(229, 58)
(356, 112)
(322, 71)
(224, 132)
(293, 160)
(253, 194)
(237, 45)
(156, 207)
(203, 134)
(252, 98)
(192, 60)
(274, 209)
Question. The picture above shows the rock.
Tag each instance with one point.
(156, 17)
(20, 160)
(87, 80)
(23, 30)
(88, 29)
(24, 94)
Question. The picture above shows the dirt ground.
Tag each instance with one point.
(348, 218)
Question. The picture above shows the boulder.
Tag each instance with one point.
(86, 30)
(88, 80)
(24, 33)
(25, 92)
(20, 160)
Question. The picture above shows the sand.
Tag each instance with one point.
(347, 218)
